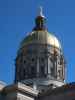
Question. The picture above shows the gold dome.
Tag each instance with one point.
(40, 34)
(41, 37)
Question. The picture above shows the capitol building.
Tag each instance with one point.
(39, 68)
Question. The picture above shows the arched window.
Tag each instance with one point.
(33, 72)
(42, 59)
(24, 72)
(59, 73)
(32, 59)
(42, 71)
(24, 61)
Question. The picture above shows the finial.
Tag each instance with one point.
(40, 20)
(41, 11)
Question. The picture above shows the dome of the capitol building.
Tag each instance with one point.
(40, 33)
(40, 61)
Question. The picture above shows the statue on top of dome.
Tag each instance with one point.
(40, 21)
(40, 12)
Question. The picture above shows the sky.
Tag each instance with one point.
(17, 19)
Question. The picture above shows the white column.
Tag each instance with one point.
(49, 68)
(49, 65)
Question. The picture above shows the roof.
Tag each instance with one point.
(59, 90)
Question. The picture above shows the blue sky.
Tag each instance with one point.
(17, 19)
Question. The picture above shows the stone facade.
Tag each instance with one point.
(40, 61)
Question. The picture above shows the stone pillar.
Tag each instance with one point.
(49, 67)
